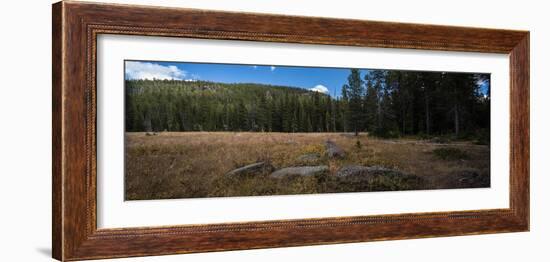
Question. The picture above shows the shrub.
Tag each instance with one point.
(450, 153)
(484, 137)
(387, 134)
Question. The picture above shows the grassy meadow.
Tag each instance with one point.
(195, 164)
(198, 130)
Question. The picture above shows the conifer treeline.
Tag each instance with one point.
(382, 102)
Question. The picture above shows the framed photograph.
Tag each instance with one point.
(182, 130)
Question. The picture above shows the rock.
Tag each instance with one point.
(376, 178)
(469, 178)
(440, 140)
(333, 150)
(311, 157)
(356, 170)
(151, 134)
(300, 171)
(256, 168)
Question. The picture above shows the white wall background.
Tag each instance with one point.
(25, 129)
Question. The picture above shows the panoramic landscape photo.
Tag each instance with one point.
(195, 130)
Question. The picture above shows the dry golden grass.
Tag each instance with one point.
(193, 164)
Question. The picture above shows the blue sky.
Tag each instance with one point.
(328, 80)
(321, 79)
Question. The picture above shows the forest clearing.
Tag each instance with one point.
(168, 165)
(241, 130)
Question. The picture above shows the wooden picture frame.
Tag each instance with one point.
(76, 26)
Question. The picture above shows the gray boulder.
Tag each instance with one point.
(471, 178)
(376, 178)
(256, 168)
(312, 157)
(356, 170)
(333, 150)
(299, 171)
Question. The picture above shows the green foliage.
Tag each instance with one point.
(168, 105)
(355, 90)
(387, 134)
(450, 153)
(387, 104)
(483, 137)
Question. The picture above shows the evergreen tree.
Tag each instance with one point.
(387, 103)
(242, 117)
(371, 105)
(355, 90)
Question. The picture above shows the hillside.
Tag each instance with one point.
(385, 103)
(158, 105)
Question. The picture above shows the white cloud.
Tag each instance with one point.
(147, 70)
(481, 82)
(320, 88)
(272, 68)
